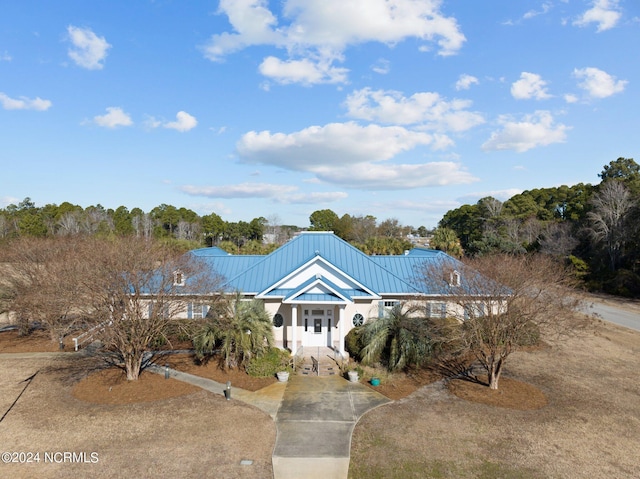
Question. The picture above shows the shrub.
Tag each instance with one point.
(353, 343)
(269, 363)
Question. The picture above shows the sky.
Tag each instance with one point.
(400, 109)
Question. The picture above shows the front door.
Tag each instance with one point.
(317, 329)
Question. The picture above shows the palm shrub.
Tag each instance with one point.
(238, 330)
(398, 339)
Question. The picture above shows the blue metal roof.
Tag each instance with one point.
(379, 274)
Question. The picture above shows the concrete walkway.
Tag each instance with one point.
(315, 422)
(267, 399)
(314, 416)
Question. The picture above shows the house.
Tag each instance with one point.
(317, 287)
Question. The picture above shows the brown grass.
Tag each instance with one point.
(568, 411)
(589, 428)
(197, 434)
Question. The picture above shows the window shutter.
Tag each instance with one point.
(380, 309)
(443, 310)
(189, 310)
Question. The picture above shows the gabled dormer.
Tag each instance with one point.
(318, 277)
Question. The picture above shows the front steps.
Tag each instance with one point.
(318, 362)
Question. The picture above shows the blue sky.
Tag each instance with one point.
(396, 108)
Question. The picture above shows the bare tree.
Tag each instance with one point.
(611, 205)
(42, 277)
(5, 226)
(503, 302)
(135, 289)
(556, 239)
(69, 224)
(143, 225)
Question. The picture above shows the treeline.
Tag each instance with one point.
(365, 233)
(163, 222)
(182, 225)
(596, 227)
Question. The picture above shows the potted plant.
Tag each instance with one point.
(353, 375)
(286, 366)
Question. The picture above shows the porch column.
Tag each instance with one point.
(341, 329)
(294, 328)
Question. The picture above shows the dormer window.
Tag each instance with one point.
(178, 278)
(454, 278)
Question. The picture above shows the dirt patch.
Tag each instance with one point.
(399, 385)
(511, 393)
(37, 341)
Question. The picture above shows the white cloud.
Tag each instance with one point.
(88, 50)
(335, 145)
(605, 13)
(352, 155)
(5, 57)
(319, 31)
(529, 86)
(465, 81)
(151, 122)
(570, 98)
(114, 118)
(242, 190)
(534, 130)
(598, 83)
(8, 200)
(382, 66)
(427, 109)
(24, 103)
(312, 198)
(397, 177)
(534, 13)
(254, 24)
(303, 71)
(283, 194)
(184, 122)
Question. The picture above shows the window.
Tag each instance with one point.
(453, 278)
(278, 320)
(197, 310)
(385, 306)
(178, 278)
(436, 310)
(358, 320)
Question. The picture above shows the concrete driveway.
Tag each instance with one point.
(315, 422)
